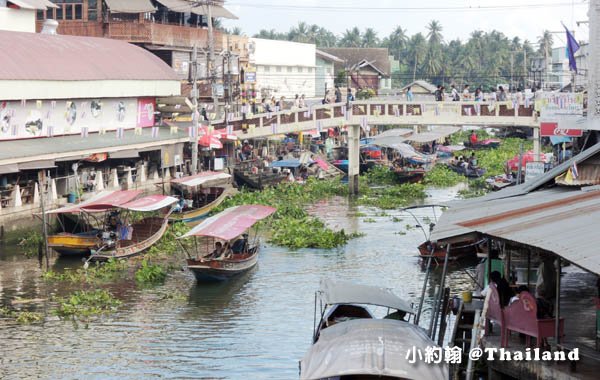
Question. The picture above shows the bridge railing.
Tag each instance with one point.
(507, 113)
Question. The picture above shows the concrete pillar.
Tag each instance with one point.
(167, 174)
(141, 174)
(36, 194)
(99, 183)
(16, 197)
(128, 178)
(536, 143)
(353, 158)
(114, 179)
(154, 175)
(52, 193)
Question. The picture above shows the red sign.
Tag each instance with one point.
(552, 129)
(145, 112)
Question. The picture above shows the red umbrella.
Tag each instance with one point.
(528, 156)
(210, 141)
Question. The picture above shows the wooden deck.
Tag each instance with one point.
(578, 290)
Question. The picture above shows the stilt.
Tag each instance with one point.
(36, 194)
(114, 179)
(141, 174)
(99, 182)
(353, 158)
(128, 178)
(52, 194)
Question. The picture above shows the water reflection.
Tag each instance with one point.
(255, 327)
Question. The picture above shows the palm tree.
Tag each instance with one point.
(236, 31)
(268, 34)
(434, 36)
(434, 56)
(546, 41)
(299, 33)
(351, 38)
(325, 38)
(369, 38)
(396, 42)
(416, 49)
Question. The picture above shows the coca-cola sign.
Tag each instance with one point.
(552, 129)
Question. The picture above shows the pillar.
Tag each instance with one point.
(536, 143)
(36, 194)
(167, 174)
(99, 183)
(114, 179)
(154, 175)
(353, 158)
(16, 197)
(52, 194)
(128, 178)
(141, 174)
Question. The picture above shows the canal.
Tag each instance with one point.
(256, 327)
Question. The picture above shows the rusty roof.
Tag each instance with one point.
(69, 58)
(378, 57)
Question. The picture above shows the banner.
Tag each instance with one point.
(552, 129)
(145, 112)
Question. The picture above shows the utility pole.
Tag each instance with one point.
(196, 112)
(211, 58)
(525, 76)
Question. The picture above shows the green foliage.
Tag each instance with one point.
(380, 175)
(365, 93)
(369, 220)
(494, 160)
(96, 273)
(150, 273)
(84, 304)
(169, 243)
(21, 316)
(31, 243)
(442, 176)
(392, 197)
(307, 232)
(476, 188)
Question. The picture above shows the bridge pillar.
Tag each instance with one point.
(536, 143)
(353, 158)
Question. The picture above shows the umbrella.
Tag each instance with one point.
(210, 141)
(528, 156)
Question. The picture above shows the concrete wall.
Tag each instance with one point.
(17, 20)
(284, 68)
(324, 75)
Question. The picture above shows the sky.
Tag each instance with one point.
(525, 19)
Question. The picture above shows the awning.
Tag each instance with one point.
(7, 169)
(129, 153)
(34, 4)
(130, 6)
(560, 220)
(232, 222)
(187, 6)
(375, 347)
(101, 202)
(286, 164)
(149, 203)
(340, 292)
(436, 134)
(34, 165)
(202, 179)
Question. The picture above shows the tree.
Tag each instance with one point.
(370, 39)
(396, 43)
(546, 40)
(351, 38)
(434, 57)
(416, 50)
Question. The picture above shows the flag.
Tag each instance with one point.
(137, 131)
(347, 113)
(306, 114)
(154, 132)
(229, 129)
(468, 111)
(120, 133)
(50, 131)
(84, 132)
(319, 126)
(14, 130)
(572, 47)
(396, 111)
(274, 128)
(574, 171)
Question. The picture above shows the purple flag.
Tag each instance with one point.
(572, 47)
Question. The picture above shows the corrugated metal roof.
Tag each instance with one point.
(34, 4)
(435, 134)
(35, 56)
(562, 221)
(328, 57)
(130, 6)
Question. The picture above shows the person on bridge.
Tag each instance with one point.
(473, 138)
(466, 95)
(439, 93)
(350, 96)
(409, 94)
(338, 95)
(501, 94)
(454, 94)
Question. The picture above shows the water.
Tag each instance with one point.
(256, 327)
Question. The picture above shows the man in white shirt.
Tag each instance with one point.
(466, 95)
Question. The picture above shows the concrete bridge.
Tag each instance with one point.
(383, 112)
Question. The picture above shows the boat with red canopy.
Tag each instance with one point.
(82, 224)
(134, 236)
(233, 252)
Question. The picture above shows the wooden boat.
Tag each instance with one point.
(465, 249)
(78, 236)
(484, 144)
(409, 175)
(244, 177)
(206, 191)
(228, 226)
(144, 233)
(466, 171)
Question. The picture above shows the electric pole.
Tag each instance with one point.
(196, 112)
(211, 58)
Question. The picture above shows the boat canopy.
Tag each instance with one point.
(370, 347)
(433, 135)
(202, 179)
(341, 292)
(100, 202)
(289, 163)
(232, 222)
(408, 151)
(149, 203)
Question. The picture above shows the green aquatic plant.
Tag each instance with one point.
(380, 175)
(369, 220)
(21, 316)
(149, 274)
(31, 243)
(442, 176)
(308, 232)
(96, 272)
(84, 304)
(393, 197)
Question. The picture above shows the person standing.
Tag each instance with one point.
(478, 95)
(350, 96)
(338, 95)
(466, 94)
(409, 94)
(302, 101)
(501, 94)
(438, 93)
(297, 101)
(454, 94)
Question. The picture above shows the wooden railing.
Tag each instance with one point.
(161, 34)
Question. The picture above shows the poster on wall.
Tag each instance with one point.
(145, 112)
(47, 118)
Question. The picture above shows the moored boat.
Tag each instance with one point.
(484, 144)
(82, 234)
(199, 195)
(465, 170)
(132, 239)
(235, 254)
(467, 248)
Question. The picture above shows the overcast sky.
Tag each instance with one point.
(523, 18)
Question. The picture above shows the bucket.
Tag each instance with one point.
(71, 198)
(467, 296)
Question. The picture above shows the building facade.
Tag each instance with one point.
(371, 67)
(284, 68)
(325, 73)
(19, 16)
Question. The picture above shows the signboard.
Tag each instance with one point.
(171, 155)
(533, 169)
(554, 106)
(145, 112)
(250, 75)
(552, 129)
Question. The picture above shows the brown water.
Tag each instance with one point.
(256, 327)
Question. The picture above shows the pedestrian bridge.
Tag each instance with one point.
(363, 113)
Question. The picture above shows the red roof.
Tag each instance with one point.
(34, 56)
(100, 202)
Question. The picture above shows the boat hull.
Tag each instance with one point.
(410, 176)
(74, 244)
(199, 213)
(222, 270)
(467, 249)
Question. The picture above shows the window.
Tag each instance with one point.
(300, 69)
(310, 69)
(267, 69)
(71, 10)
(40, 15)
(278, 69)
(289, 69)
